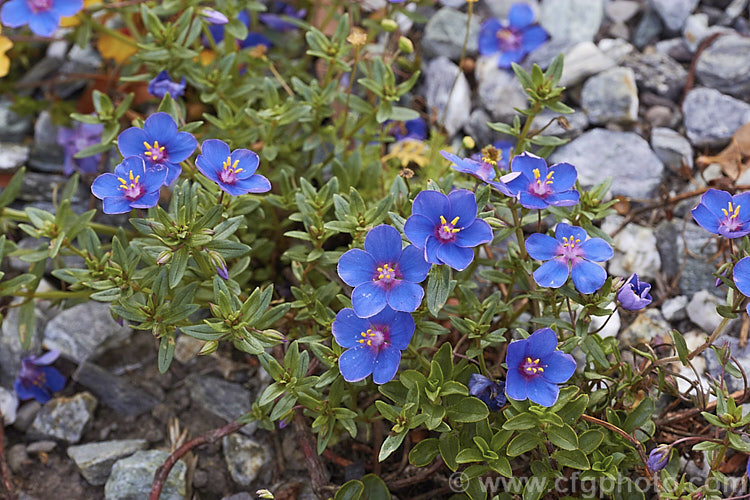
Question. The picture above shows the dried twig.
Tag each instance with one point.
(314, 464)
(705, 43)
(4, 473)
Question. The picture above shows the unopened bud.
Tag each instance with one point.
(468, 142)
(209, 347)
(164, 257)
(218, 261)
(274, 335)
(388, 25)
(264, 494)
(405, 45)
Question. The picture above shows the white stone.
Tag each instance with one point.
(674, 309)
(635, 250)
(583, 60)
(8, 406)
(702, 310)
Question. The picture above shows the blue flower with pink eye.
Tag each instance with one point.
(37, 380)
(511, 40)
(540, 186)
(42, 16)
(78, 138)
(277, 17)
(741, 277)
(373, 345)
(162, 85)
(159, 144)
(721, 213)
(569, 253)
(233, 171)
(131, 186)
(446, 228)
(484, 169)
(536, 367)
(384, 274)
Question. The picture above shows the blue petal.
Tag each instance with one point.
(32, 392)
(567, 230)
(357, 363)
(130, 142)
(515, 354)
(207, 168)
(106, 185)
(532, 201)
(47, 358)
(368, 299)
(44, 23)
(559, 367)
(255, 39)
(347, 328)
(564, 176)
(246, 160)
(542, 392)
(15, 13)
(402, 330)
(213, 154)
(541, 343)
(532, 38)
(160, 127)
(596, 249)
(743, 201)
(172, 173)
(542, 247)
(737, 233)
(515, 385)
(431, 204)
(706, 218)
(520, 15)
(180, 147)
(116, 205)
(412, 266)
(742, 275)
(456, 257)
(382, 319)
(132, 164)
(526, 163)
(716, 200)
(404, 296)
(386, 365)
(54, 379)
(520, 184)
(563, 199)
(254, 184)
(383, 243)
(587, 276)
(478, 233)
(356, 267)
(506, 59)
(552, 274)
(418, 228)
(67, 7)
(147, 200)
(464, 206)
(488, 37)
(430, 250)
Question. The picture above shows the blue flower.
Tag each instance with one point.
(234, 171)
(37, 379)
(160, 145)
(131, 186)
(415, 129)
(384, 274)
(275, 18)
(76, 139)
(540, 186)
(373, 345)
(721, 213)
(535, 368)
(569, 253)
(42, 16)
(741, 276)
(484, 169)
(492, 393)
(658, 458)
(162, 85)
(252, 39)
(512, 40)
(213, 16)
(634, 294)
(446, 228)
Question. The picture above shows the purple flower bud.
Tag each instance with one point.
(214, 16)
(162, 85)
(634, 294)
(222, 271)
(658, 458)
(492, 393)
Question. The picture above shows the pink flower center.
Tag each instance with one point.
(731, 217)
(375, 337)
(228, 174)
(509, 38)
(446, 231)
(37, 6)
(530, 368)
(132, 190)
(570, 250)
(541, 187)
(386, 275)
(154, 152)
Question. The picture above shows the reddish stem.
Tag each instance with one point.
(4, 473)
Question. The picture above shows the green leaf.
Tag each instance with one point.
(681, 346)
(375, 488)
(468, 409)
(351, 490)
(13, 188)
(26, 324)
(521, 422)
(575, 459)
(590, 440)
(177, 266)
(438, 288)
(390, 445)
(449, 446)
(166, 352)
(523, 442)
(639, 416)
(564, 437)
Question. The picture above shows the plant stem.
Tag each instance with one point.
(113, 33)
(521, 144)
(55, 294)
(19, 215)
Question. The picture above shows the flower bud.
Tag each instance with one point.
(218, 261)
(274, 335)
(388, 25)
(209, 347)
(164, 257)
(264, 493)
(658, 458)
(405, 45)
(468, 142)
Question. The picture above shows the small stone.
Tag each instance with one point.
(648, 30)
(659, 116)
(8, 406)
(79, 60)
(577, 122)
(17, 458)
(456, 104)
(477, 127)
(635, 170)
(41, 447)
(711, 118)
(65, 418)
(224, 399)
(131, 477)
(26, 415)
(95, 460)
(187, 348)
(499, 90)
(46, 154)
(616, 49)
(501, 8)
(582, 61)
(13, 127)
(674, 309)
(575, 20)
(12, 156)
(548, 51)
(606, 326)
(115, 392)
(646, 326)
(697, 29)
(84, 331)
(245, 458)
(611, 96)
(676, 48)
(635, 249)
(657, 73)
(725, 64)
(702, 310)
(674, 13)
(671, 148)
(694, 267)
(621, 11)
(445, 33)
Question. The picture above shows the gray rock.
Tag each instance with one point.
(674, 13)
(115, 392)
(18, 459)
(649, 28)
(577, 122)
(672, 148)
(616, 49)
(657, 73)
(605, 326)
(583, 60)
(697, 29)
(646, 326)
(694, 266)
(478, 129)
(95, 460)
(500, 8)
(725, 66)
(84, 331)
(711, 118)
(620, 11)
(576, 20)
(702, 310)
(676, 48)
(224, 399)
(131, 477)
(86, 60)
(65, 418)
(245, 458)
(674, 309)
(41, 446)
(499, 90)
(635, 249)
(46, 154)
(8, 406)
(635, 170)
(452, 107)
(12, 156)
(741, 354)
(445, 32)
(546, 53)
(611, 96)
(662, 116)
(13, 127)
(26, 415)
(39, 187)
(11, 352)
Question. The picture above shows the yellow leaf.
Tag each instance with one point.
(71, 21)
(114, 48)
(409, 151)
(5, 46)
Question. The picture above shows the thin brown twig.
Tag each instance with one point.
(636, 444)
(314, 464)
(4, 472)
(738, 396)
(418, 478)
(690, 80)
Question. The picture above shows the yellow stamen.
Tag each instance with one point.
(443, 221)
(454, 221)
